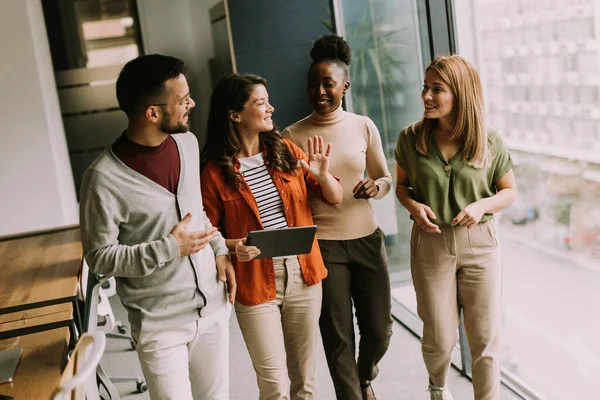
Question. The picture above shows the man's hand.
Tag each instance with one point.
(226, 274)
(191, 242)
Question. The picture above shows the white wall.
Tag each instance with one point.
(36, 183)
(181, 28)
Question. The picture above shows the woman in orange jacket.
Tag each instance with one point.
(253, 179)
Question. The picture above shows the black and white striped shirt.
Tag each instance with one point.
(270, 206)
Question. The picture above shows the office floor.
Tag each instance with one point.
(402, 373)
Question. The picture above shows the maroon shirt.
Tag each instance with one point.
(160, 164)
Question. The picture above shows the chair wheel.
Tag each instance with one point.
(122, 329)
(142, 387)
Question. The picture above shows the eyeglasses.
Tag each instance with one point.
(186, 101)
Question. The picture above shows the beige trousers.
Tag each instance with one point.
(460, 267)
(284, 331)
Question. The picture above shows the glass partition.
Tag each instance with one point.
(386, 77)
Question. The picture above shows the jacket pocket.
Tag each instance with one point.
(233, 202)
(293, 186)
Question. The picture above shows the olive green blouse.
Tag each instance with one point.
(448, 187)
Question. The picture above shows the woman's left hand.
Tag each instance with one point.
(318, 158)
(365, 189)
(470, 215)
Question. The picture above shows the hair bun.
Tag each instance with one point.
(331, 47)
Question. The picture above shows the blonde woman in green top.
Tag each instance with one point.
(453, 173)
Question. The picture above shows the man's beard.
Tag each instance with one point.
(180, 127)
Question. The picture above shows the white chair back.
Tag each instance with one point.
(105, 310)
(111, 289)
(78, 381)
(96, 302)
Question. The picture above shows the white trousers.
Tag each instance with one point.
(189, 362)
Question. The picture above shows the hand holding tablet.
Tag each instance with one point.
(244, 252)
(282, 242)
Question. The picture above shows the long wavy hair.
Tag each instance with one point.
(223, 141)
(470, 127)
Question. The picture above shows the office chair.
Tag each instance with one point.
(106, 318)
(110, 289)
(108, 322)
(90, 324)
(78, 381)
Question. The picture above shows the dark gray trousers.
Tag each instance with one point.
(357, 274)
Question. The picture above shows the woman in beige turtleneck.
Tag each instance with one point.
(351, 242)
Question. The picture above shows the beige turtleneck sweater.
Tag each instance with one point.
(356, 147)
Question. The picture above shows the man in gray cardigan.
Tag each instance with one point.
(142, 221)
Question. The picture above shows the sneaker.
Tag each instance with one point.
(439, 393)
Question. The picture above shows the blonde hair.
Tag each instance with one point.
(470, 127)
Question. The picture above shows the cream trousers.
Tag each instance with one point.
(283, 332)
(460, 267)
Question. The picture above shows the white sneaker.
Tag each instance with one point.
(439, 393)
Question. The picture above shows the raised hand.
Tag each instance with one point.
(318, 158)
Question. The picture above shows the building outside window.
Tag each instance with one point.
(539, 61)
(540, 65)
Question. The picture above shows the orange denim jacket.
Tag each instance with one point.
(234, 212)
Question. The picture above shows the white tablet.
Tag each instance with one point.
(282, 242)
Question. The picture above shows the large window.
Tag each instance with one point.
(539, 61)
(540, 65)
(386, 76)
